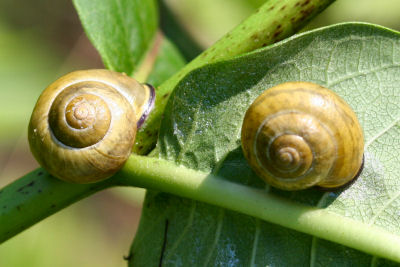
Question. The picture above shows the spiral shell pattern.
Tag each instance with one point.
(299, 134)
(83, 126)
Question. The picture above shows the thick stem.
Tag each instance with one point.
(36, 196)
(274, 21)
(165, 176)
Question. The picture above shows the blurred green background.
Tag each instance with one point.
(42, 40)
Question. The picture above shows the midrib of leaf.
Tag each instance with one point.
(329, 63)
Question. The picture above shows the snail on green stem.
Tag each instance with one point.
(83, 126)
(298, 134)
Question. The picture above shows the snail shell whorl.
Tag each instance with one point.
(299, 134)
(83, 126)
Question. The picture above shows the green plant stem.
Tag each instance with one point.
(274, 21)
(36, 196)
(165, 176)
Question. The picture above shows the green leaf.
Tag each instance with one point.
(275, 20)
(121, 30)
(201, 130)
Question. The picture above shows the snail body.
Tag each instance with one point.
(298, 134)
(84, 124)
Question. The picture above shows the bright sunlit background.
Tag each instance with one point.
(42, 40)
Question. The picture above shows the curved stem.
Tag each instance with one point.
(36, 196)
(165, 176)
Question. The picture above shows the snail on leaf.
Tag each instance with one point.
(298, 134)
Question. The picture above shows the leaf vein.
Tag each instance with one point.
(220, 220)
(329, 63)
(390, 126)
(255, 243)
(387, 204)
(355, 75)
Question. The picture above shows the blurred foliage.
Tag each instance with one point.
(383, 12)
(53, 22)
(41, 40)
(208, 20)
(20, 86)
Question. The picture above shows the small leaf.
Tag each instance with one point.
(121, 30)
(201, 130)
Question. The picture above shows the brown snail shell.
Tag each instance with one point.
(299, 134)
(83, 126)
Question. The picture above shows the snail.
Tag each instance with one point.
(83, 126)
(299, 134)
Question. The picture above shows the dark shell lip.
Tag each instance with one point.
(150, 105)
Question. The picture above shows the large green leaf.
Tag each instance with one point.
(201, 130)
(121, 30)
